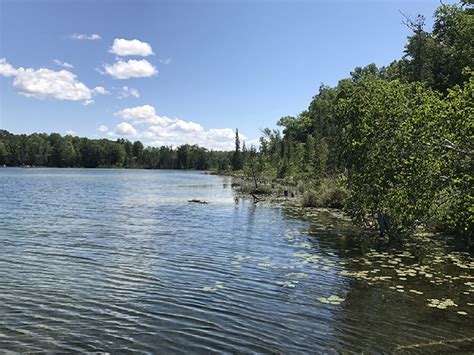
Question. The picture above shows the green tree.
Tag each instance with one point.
(3, 154)
(237, 156)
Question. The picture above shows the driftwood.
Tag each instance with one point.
(256, 199)
(201, 202)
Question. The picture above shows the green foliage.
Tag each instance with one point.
(393, 167)
(437, 58)
(253, 167)
(454, 143)
(56, 151)
(400, 135)
(237, 159)
(329, 193)
(311, 199)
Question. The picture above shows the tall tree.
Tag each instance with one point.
(237, 156)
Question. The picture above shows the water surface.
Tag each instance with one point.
(117, 260)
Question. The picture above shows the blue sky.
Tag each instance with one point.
(198, 70)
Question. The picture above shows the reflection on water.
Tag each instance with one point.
(102, 260)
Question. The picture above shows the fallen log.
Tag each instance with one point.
(198, 201)
(255, 198)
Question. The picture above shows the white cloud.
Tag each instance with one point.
(145, 114)
(126, 129)
(130, 69)
(162, 130)
(125, 91)
(103, 128)
(62, 64)
(124, 47)
(45, 83)
(82, 36)
(187, 127)
(6, 69)
(158, 131)
(100, 90)
(70, 132)
(222, 134)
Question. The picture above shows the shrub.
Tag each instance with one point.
(329, 193)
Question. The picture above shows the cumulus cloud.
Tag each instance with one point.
(126, 129)
(125, 91)
(85, 37)
(144, 115)
(103, 128)
(6, 69)
(130, 69)
(70, 132)
(100, 90)
(161, 130)
(217, 139)
(187, 127)
(62, 64)
(123, 47)
(222, 134)
(45, 83)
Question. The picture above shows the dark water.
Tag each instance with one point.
(119, 261)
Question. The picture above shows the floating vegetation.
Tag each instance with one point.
(333, 299)
(432, 267)
(441, 304)
(218, 286)
(298, 275)
(266, 265)
(302, 255)
(286, 284)
(305, 245)
(425, 268)
(209, 289)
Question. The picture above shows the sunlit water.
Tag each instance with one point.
(118, 261)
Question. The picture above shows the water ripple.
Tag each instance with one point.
(119, 261)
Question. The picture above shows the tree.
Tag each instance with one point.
(3, 154)
(237, 156)
(137, 149)
(393, 168)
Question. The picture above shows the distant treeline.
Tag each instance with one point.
(54, 150)
(394, 145)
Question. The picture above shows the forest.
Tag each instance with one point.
(392, 145)
(54, 150)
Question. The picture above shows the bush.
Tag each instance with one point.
(311, 199)
(249, 188)
(329, 193)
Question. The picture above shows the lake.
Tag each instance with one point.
(119, 261)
